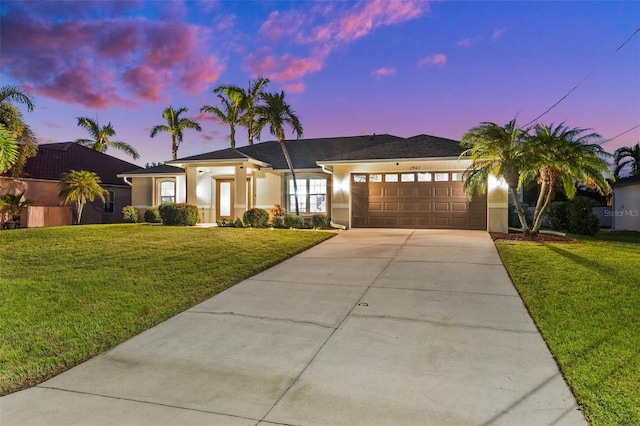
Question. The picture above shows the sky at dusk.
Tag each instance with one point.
(348, 68)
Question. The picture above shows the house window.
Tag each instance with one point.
(442, 177)
(109, 202)
(167, 191)
(408, 177)
(375, 178)
(424, 177)
(457, 177)
(391, 178)
(359, 178)
(312, 195)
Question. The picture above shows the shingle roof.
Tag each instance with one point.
(223, 154)
(54, 159)
(630, 180)
(159, 169)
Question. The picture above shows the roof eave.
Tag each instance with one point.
(217, 161)
(388, 160)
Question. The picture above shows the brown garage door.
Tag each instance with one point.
(415, 200)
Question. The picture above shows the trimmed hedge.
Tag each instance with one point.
(178, 214)
(256, 218)
(319, 221)
(278, 222)
(580, 217)
(293, 221)
(152, 215)
(129, 214)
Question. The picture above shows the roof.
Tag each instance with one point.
(307, 153)
(54, 159)
(159, 169)
(630, 180)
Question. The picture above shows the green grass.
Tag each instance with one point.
(69, 293)
(585, 299)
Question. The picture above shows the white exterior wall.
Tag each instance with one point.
(268, 190)
(626, 211)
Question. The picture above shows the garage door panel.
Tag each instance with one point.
(416, 204)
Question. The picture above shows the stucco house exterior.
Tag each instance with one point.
(380, 181)
(626, 204)
(40, 179)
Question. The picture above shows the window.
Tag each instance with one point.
(391, 178)
(408, 177)
(109, 202)
(424, 177)
(167, 191)
(359, 178)
(312, 195)
(441, 177)
(457, 177)
(375, 178)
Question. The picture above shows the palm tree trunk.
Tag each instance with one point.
(233, 136)
(537, 223)
(519, 211)
(174, 147)
(293, 174)
(79, 207)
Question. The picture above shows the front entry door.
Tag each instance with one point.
(224, 199)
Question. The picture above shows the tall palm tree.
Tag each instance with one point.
(250, 107)
(78, 187)
(627, 156)
(500, 151)
(277, 114)
(565, 156)
(16, 94)
(18, 131)
(100, 137)
(175, 125)
(231, 98)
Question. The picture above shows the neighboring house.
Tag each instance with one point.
(40, 179)
(360, 181)
(626, 203)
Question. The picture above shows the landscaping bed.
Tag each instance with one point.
(540, 238)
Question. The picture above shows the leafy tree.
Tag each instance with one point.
(276, 113)
(500, 151)
(175, 125)
(565, 157)
(78, 187)
(627, 156)
(100, 137)
(16, 131)
(231, 97)
(250, 99)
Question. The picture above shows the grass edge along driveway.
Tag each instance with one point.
(585, 299)
(70, 293)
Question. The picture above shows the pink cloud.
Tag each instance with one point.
(498, 33)
(383, 72)
(100, 63)
(283, 68)
(295, 88)
(468, 42)
(281, 24)
(435, 59)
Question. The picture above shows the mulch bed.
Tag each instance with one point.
(540, 238)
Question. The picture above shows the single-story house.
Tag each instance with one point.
(626, 203)
(360, 181)
(40, 179)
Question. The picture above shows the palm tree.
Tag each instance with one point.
(500, 151)
(231, 98)
(565, 156)
(627, 156)
(18, 131)
(79, 187)
(16, 94)
(175, 125)
(250, 107)
(277, 114)
(8, 149)
(100, 137)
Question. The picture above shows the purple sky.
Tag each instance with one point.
(348, 68)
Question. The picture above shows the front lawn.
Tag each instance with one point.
(69, 293)
(585, 299)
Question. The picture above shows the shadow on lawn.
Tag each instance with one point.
(586, 262)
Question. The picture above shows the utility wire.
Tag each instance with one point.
(617, 136)
(585, 78)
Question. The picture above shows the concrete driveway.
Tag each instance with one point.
(373, 327)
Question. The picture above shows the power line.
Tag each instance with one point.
(585, 78)
(617, 136)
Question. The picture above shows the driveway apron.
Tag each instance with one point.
(372, 327)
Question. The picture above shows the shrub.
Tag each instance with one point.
(129, 214)
(256, 218)
(278, 222)
(293, 221)
(278, 210)
(226, 223)
(580, 217)
(319, 221)
(557, 216)
(178, 214)
(152, 215)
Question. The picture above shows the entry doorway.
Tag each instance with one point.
(224, 201)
